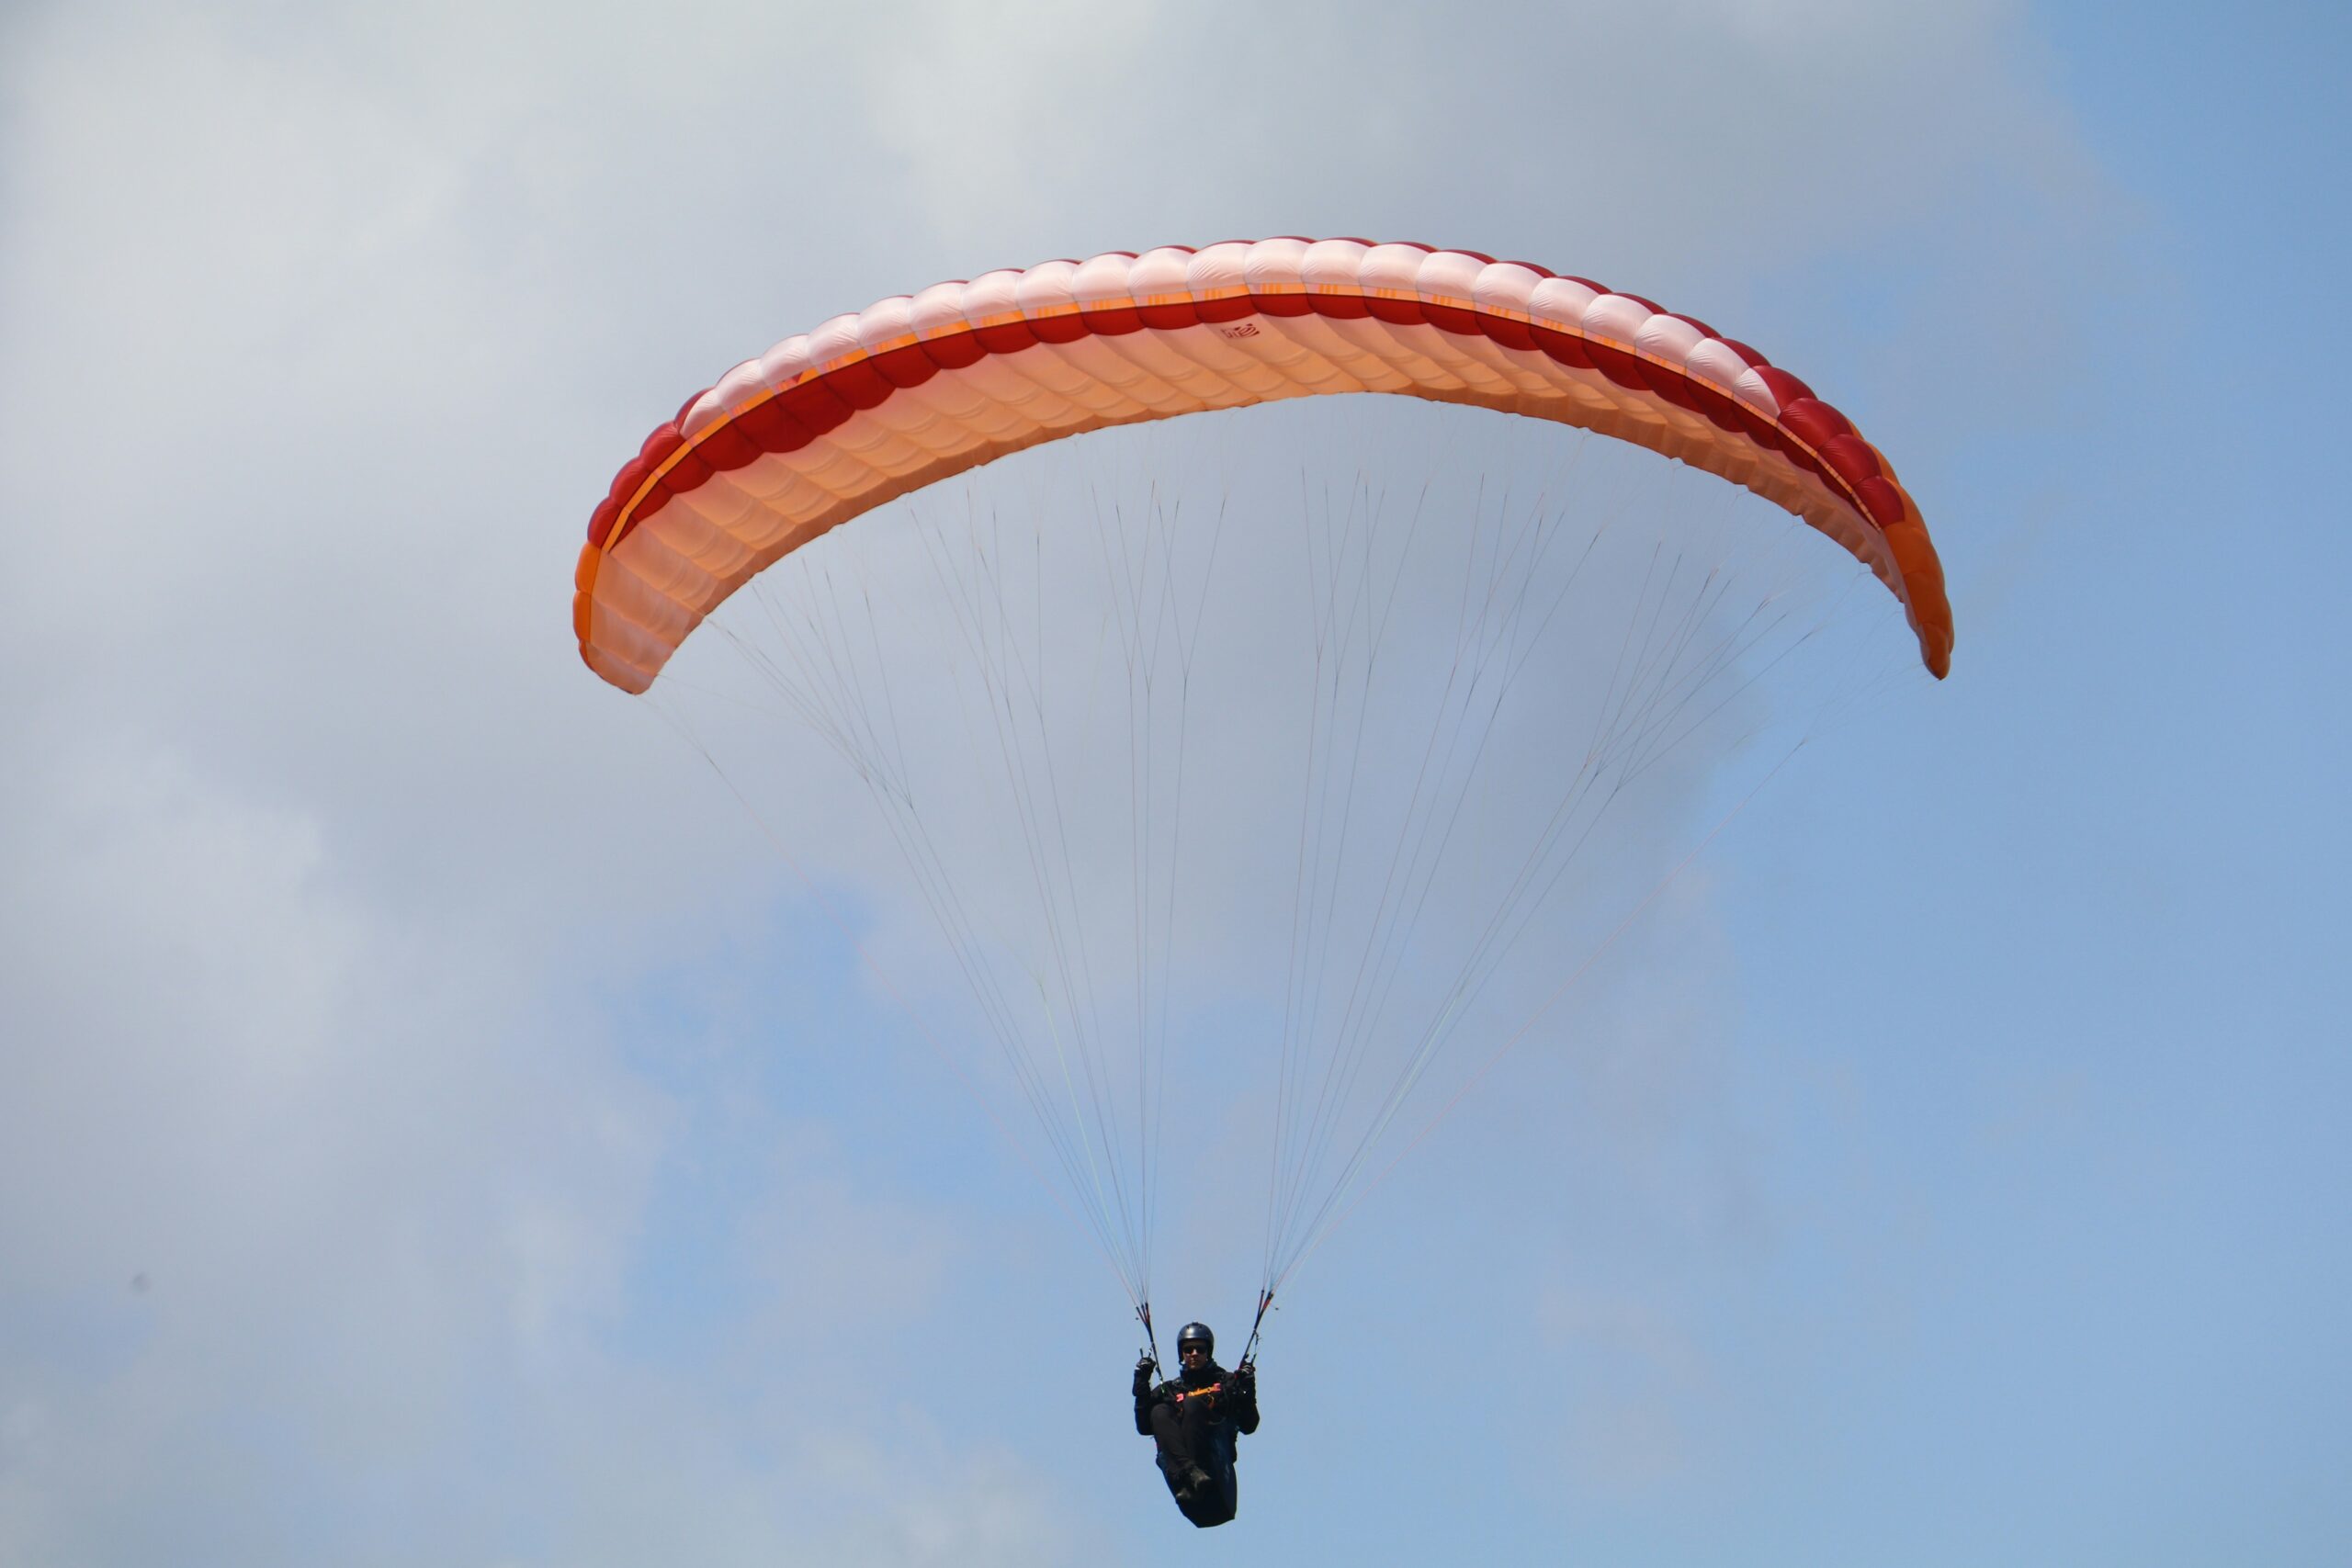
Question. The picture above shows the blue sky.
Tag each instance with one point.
(516, 1168)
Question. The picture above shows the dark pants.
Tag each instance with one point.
(1185, 1439)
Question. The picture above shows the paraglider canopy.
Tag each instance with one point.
(1056, 894)
(833, 422)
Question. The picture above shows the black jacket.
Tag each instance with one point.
(1225, 1404)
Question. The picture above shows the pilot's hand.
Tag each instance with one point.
(1144, 1368)
(1244, 1381)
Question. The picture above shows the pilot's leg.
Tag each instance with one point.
(1179, 1440)
(1168, 1437)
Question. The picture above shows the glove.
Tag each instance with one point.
(1244, 1381)
(1144, 1368)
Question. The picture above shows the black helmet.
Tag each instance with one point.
(1195, 1333)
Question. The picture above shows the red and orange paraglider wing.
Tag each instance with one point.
(915, 389)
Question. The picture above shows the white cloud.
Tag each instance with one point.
(322, 862)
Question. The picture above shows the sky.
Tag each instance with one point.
(436, 1126)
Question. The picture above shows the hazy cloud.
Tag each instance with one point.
(328, 878)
